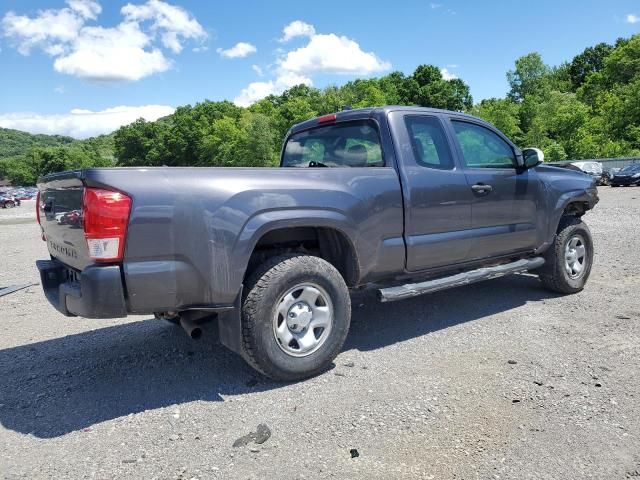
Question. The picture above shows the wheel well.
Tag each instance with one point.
(576, 209)
(328, 243)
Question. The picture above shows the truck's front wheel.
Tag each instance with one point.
(295, 316)
(568, 261)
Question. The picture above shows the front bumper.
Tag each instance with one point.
(96, 292)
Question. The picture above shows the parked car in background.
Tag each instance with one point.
(607, 175)
(19, 193)
(8, 201)
(629, 175)
(590, 168)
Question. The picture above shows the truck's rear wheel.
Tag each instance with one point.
(568, 261)
(295, 316)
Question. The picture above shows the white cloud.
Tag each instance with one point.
(175, 23)
(447, 75)
(297, 28)
(258, 90)
(85, 8)
(322, 54)
(329, 53)
(435, 6)
(112, 54)
(127, 51)
(81, 123)
(258, 70)
(48, 29)
(632, 18)
(59, 89)
(239, 50)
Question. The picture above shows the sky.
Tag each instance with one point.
(86, 67)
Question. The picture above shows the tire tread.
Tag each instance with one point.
(549, 274)
(256, 287)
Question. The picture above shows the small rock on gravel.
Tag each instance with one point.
(261, 435)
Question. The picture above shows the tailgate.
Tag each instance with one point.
(61, 218)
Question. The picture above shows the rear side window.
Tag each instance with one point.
(430, 147)
(349, 144)
(482, 148)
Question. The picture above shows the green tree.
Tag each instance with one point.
(526, 78)
(590, 61)
(503, 113)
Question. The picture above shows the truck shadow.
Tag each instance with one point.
(376, 325)
(68, 384)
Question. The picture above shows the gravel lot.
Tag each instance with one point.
(497, 380)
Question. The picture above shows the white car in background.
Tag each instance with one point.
(591, 168)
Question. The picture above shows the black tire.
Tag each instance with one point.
(554, 274)
(265, 289)
(9, 204)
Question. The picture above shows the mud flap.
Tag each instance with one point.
(230, 327)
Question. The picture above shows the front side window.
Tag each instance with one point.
(482, 148)
(349, 144)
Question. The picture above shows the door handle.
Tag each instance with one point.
(481, 188)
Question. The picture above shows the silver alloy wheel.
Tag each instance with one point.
(303, 319)
(575, 256)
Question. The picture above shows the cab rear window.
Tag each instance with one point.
(348, 144)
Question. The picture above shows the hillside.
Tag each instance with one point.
(15, 143)
(25, 156)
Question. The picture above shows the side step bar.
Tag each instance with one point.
(465, 278)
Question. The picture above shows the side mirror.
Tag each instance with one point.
(532, 157)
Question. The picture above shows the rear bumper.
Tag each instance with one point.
(96, 292)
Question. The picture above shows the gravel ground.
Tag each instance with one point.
(497, 380)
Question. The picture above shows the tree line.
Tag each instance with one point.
(586, 108)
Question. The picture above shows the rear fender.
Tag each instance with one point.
(230, 323)
(265, 222)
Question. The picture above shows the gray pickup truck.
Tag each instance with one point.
(405, 200)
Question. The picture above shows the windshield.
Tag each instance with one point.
(349, 144)
(631, 168)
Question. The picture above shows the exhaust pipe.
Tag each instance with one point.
(189, 326)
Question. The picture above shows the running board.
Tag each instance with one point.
(465, 278)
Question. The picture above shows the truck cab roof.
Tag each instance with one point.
(372, 112)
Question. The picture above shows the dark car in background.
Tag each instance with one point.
(607, 175)
(629, 175)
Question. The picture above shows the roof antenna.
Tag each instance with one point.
(346, 107)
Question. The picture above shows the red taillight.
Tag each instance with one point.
(327, 118)
(38, 207)
(105, 219)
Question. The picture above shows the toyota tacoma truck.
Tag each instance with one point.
(405, 200)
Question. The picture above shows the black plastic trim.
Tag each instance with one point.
(96, 292)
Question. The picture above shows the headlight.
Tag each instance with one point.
(637, 175)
